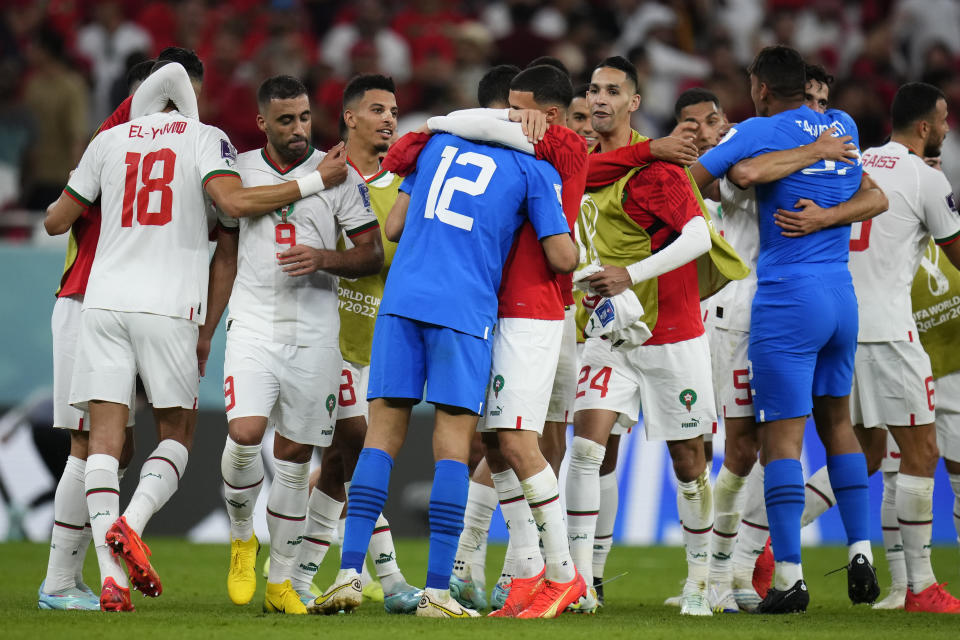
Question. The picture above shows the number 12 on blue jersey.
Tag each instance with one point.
(442, 189)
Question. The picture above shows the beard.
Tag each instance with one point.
(931, 148)
(381, 147)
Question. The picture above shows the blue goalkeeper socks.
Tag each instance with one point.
(783, 491)
(448, 499)
(368, 494)
(848, 477)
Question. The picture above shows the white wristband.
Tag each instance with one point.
(310, 184)
(636, 272)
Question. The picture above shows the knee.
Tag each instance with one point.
(586, 455)
(741, 455)
(874, 459)
(688, 460)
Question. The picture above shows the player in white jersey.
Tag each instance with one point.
(145, 297)
(893, 380)
(282, 362)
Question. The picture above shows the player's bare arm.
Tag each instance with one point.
(223, 271)
(952, 251)
(62, 214)
(867, 202)
(779, 164)
(365, 258)
(393, 229)
(237, 202)
(561, 252)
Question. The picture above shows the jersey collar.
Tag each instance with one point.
(289, 168)
(378, 174)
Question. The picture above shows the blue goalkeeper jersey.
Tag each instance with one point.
(467, 201)
(827, 183)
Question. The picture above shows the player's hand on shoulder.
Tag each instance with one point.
(839, 149)
(300, 260)
(333, 167)
(808, 218)
(677, 149)
(611, 281)
(533, 123)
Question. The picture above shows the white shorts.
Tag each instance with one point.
(731, 373)
(892, 385)
(948, 416)
(671, 381)
(115, 346)
(564, 392)
(353, 391)
(294, 387)
(524, 364)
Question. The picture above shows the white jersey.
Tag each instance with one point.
(729, 308)
(885, 251)
(272, 305)
(152, 254)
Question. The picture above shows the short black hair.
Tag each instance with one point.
(782, 69)
(188, 59)
(914, 101)
(550, 60)
(622, 64)
(494, 86)
(580, 91)
(279, 88)
(139, 72)
(695, 95)
(818, 73)
(359, 85)
(549, 85)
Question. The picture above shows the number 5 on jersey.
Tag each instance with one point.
(442, 189)
(151, 210)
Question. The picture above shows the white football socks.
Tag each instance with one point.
(242, 470)
(695, 508)
(159, 479)
(606, 519)
(102, 487)
(524, 547)
(892, 542)
(384, 555)
(753, 533)
(69, 532)
(818, 496)
(915, 515)
(583, 502)
(728, 500)
(323, 514)
(286, 516)
(472, 547)
(543, 496)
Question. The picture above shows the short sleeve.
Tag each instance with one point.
(544, 195)
(939, 212)
(84, 184)
(216, 156)
(409, 182)
(744, 140)
(354, 213)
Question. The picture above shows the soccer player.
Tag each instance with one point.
(63, 587)
(527, 351)
(795, 275)
(650, 248)
(370, 120)
(578, 116)
(893, 380)
(282, 359)
(145, 295)
(457, 215)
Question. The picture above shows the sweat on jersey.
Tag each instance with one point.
(885, 251)
(827, 183)
(152, 252)
(466, 202)
(269, 303)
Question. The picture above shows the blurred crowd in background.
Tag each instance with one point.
(63, 62)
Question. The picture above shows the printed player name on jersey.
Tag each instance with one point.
(137, 131)
(815, 129)
(937, 314)
(879, 162)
